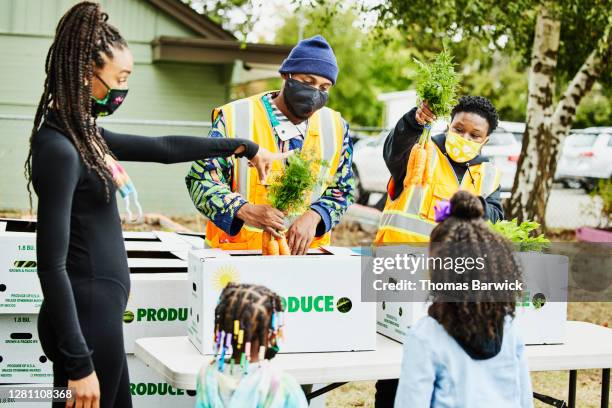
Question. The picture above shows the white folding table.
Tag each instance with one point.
(587, 346)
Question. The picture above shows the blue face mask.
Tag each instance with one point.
(110, 103)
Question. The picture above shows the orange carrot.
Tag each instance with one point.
(427, 173)
(283, 246)
(418, 166)
(273, 247)
(409, 168)
(265, 239)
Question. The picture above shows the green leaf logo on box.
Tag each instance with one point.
(538, 300)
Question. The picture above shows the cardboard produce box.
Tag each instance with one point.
(20, 291)
(157, 307)
(538, 323)
(21, 357)
(19, 285)
(321, 291)
(150, 390)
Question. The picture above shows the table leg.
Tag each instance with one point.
(323, 390)
(571, 399)
(605, 387)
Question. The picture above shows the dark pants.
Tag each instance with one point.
(385, 393)
(100, 306)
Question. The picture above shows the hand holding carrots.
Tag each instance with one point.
(302, 232)
(264, 217)
(421, 154)
(424, 114)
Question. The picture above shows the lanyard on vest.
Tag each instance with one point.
(276, 124)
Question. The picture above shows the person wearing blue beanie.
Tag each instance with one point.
(293, 118)
(312, 56)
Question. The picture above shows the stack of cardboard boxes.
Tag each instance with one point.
(157, 307)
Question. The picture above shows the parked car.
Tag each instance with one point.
(372, 175)
(503, 150)
(585, 158)
(369, 168)
(516, 128)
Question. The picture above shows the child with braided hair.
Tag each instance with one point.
(467, 352)
(249, 322)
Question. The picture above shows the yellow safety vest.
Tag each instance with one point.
(247, 118)
(410, 217)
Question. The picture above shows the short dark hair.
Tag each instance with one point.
(480, 106)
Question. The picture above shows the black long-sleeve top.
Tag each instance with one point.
(397, 148)
(79, 235)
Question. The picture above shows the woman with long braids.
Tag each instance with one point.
(74, 168)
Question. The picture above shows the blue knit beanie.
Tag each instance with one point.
(312, 56)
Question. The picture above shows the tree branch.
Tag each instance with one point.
(582, 82)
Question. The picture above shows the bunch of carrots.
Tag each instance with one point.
(289, 193)
(437, 84)
(274, 246)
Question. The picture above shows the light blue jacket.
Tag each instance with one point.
(438, 373)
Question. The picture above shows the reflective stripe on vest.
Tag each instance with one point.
(410, 217)
(248, 119)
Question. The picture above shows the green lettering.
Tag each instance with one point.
(162, 314)
(306, 304)
(151, 315)
(163, 389)
(182, 314)
(294, 304)
(141, 389)
(140, 313)
(329, 303)
(151, 389)
(317, 303)
(172, 314)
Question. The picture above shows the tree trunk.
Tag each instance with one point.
(547, 128)
(534, 177)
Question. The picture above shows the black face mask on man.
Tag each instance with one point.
(303, 100)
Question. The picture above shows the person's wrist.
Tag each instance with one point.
(244, 211)
(314, 216)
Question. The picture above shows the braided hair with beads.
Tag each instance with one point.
(82, 37)
(247, 315)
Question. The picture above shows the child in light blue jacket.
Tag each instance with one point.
(467, 352)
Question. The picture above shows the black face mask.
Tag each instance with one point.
(106, 106)
(301, 99)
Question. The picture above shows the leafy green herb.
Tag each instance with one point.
(437, 83)
(603, 190)
(289, 192)
(522, 235)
